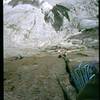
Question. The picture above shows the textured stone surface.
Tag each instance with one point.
(35, 78)
(26, 31)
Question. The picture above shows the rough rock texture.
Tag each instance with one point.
(31, 47)
(35, 78)
(26, 28)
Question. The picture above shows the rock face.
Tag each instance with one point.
(26, 32)
(35, 78)
(25, 25)
(31, 79)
